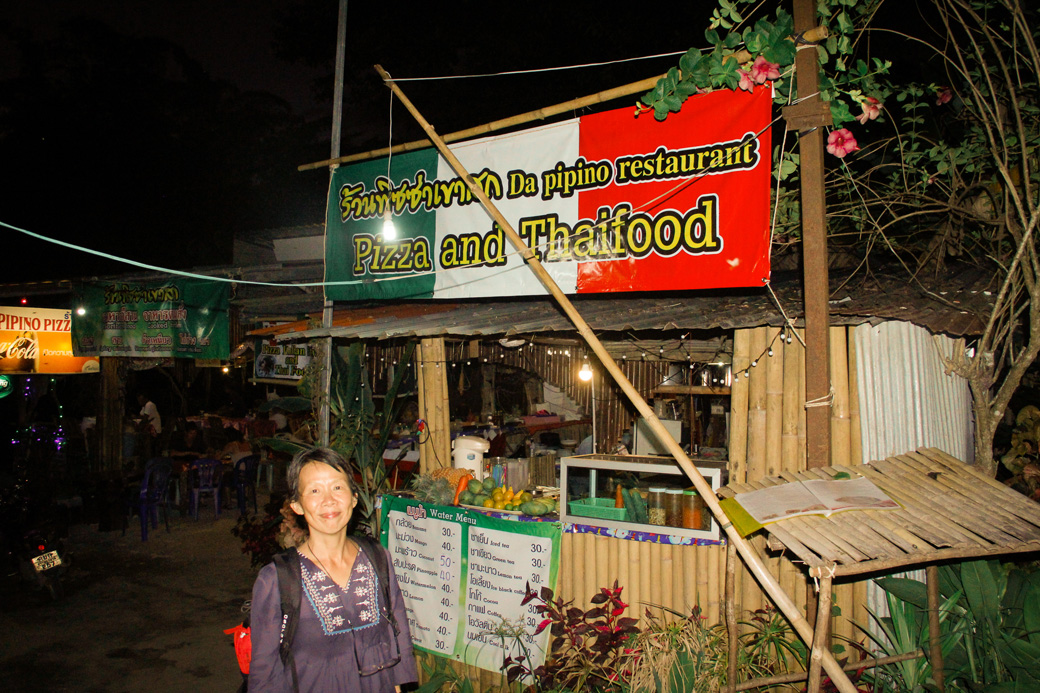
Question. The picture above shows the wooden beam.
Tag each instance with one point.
(690, 390)
(814, 249)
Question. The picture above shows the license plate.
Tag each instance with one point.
(46, 561)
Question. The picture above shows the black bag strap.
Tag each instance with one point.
(380, 561)
(290, 590)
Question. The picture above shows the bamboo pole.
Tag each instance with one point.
(856, 436)
(774, 401)
(435, 451)
(841, 434)
(783, 601)
(738, 407)
(756, 455)
(689, 571)
(789, 444)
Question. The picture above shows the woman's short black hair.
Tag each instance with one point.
(325, 456)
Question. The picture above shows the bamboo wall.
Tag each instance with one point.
(767, 436)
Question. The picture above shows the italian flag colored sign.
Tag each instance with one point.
(609, 202)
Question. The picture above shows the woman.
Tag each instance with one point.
(343, 630)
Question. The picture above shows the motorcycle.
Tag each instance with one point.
(32, 539)
(43, 562)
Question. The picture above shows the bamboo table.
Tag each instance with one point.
(949, 510)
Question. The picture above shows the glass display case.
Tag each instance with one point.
(655, 494)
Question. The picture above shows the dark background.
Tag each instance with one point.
(157, 131)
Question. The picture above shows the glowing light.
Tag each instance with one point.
(389, 230)
(585, 373)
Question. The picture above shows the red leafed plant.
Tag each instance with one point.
(587, 650)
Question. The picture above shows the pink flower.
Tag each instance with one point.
(871, 110)
(745, 81)
(945, 95)
(841, 142)
(762, 70)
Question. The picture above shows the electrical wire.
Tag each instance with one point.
(540, 70)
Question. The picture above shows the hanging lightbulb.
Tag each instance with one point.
(389, 230)
(585, 373)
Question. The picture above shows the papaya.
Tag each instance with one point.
(474, 487)
(534, 508)
(466, 498)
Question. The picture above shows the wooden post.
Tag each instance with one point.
(751, 558)
(325, 374)
(934, 636)
(822, 642)
(731, 617)
(110, 417)
(432, 376)
(809, 116)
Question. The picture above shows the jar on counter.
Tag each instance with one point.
(693, 510)
(673, 507)
(655, 507)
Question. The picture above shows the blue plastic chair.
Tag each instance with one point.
(153, 496)
(245, 478)
(206, 477)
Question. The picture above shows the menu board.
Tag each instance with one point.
(464, 575)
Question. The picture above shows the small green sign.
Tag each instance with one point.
(6, 386)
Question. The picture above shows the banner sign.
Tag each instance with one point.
(186, 318)
(463, 575)
(281, 359)
(39, 340)
(608, 202)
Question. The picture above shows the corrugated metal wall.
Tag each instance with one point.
(908, 401)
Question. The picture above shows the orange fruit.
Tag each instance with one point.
(489, 503)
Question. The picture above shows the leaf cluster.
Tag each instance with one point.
(989, 621)
(588, 647)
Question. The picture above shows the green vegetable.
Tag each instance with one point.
(636, 506)
(534, 508)
(466, 498)
(474, 487)
(479, 499)
(489, 484)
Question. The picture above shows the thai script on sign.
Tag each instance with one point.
(124, 293)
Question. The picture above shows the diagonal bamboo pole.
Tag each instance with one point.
(751, 558)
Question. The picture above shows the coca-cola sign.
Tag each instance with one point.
(38, 340)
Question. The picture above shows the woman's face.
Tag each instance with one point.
(326, 501)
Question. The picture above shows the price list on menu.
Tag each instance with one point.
(427, 558)
(501, 565)
(463, 574)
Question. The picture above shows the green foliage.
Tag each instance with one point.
(359, 431)
(1023, 457)
(990, 623)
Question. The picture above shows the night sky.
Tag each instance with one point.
(158, 130)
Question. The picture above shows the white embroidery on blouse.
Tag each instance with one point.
(326, 597)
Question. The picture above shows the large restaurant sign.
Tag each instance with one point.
(39, 340)
(608, 202)
(186, 318)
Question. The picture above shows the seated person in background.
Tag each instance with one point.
(187, 444)
(236, 447)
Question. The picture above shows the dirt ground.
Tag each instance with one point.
(136, 616)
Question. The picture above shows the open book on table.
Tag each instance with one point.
(815, 497)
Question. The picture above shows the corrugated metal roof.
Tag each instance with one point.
(952, 309)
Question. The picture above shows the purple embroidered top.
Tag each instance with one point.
(341, 636)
